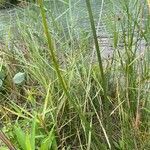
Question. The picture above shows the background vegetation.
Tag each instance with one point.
(60, 90)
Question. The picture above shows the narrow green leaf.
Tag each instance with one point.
(1, 83)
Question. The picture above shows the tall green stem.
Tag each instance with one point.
(97, 49)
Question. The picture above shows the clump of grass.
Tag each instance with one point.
(70, 98)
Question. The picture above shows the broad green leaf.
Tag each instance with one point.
(20, 136)
(28, 142)
(49, 142)
(32, 137)
(19, 78)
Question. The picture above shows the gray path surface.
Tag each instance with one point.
(8, 19)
